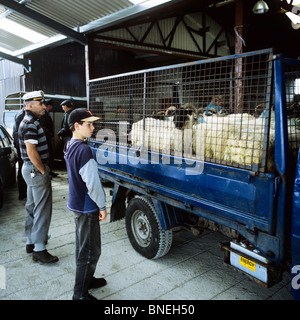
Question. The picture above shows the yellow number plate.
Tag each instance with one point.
(247, 263)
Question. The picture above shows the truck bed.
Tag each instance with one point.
(248, 197)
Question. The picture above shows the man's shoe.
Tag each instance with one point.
(29, 248)
(43, 257)
(97, 283)
(87, 297)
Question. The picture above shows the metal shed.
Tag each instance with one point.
(153, 32)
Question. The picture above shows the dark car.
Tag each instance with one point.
(8, 159)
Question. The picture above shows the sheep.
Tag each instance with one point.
(152, 138)
(156, 136)
(235, 139)
(159, 115)
(259, 110)
(170, 111)
(184, 117)
(164, 135)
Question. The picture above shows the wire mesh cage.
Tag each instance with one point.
(218, 110)
(292, 85)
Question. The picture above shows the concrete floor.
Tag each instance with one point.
(192, 270)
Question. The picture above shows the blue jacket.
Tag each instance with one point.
(86, 193)
(210, 107)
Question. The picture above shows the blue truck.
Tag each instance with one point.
(177, 157)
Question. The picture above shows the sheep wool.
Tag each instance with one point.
(235, 139)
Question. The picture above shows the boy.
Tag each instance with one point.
(87, 200)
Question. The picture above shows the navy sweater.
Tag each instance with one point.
(86, 193)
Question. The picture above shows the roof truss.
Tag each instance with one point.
(203, 43)
(24, 62)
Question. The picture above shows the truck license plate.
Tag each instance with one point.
(247, 263)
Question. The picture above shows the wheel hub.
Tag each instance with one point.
(141, 228)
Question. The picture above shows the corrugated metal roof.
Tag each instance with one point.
(69, 13)
(31, 24)
(74, 13)
(10, 42)
(75, 18)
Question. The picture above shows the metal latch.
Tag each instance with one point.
(276, 184)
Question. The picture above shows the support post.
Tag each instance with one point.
(89, 66)
(238, 72)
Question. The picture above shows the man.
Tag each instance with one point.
(215, 106)
(35, 171)
(47, 125)
(65, 133)
(22, 187)
(87, 200)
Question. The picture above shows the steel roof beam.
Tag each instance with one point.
(37, 17)
(24, 62)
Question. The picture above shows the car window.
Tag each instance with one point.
(1, 142)
(7, 137)
(4, 138)
(9, 119)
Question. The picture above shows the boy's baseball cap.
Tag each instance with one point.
(34, 96)
(81, 114)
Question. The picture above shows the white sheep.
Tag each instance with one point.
(236, 139)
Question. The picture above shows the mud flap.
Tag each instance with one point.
(118, 206)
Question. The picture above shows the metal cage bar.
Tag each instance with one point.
(218, 110)
(292, 87)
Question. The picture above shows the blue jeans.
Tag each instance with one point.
(88, 250)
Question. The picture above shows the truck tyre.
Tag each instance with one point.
(144, 229)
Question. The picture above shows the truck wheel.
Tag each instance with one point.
(144, 229)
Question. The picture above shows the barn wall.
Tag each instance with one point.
(58, 70)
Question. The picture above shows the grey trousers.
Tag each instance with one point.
(38, 209)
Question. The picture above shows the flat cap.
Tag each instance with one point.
(67, 103)
(48, 101)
